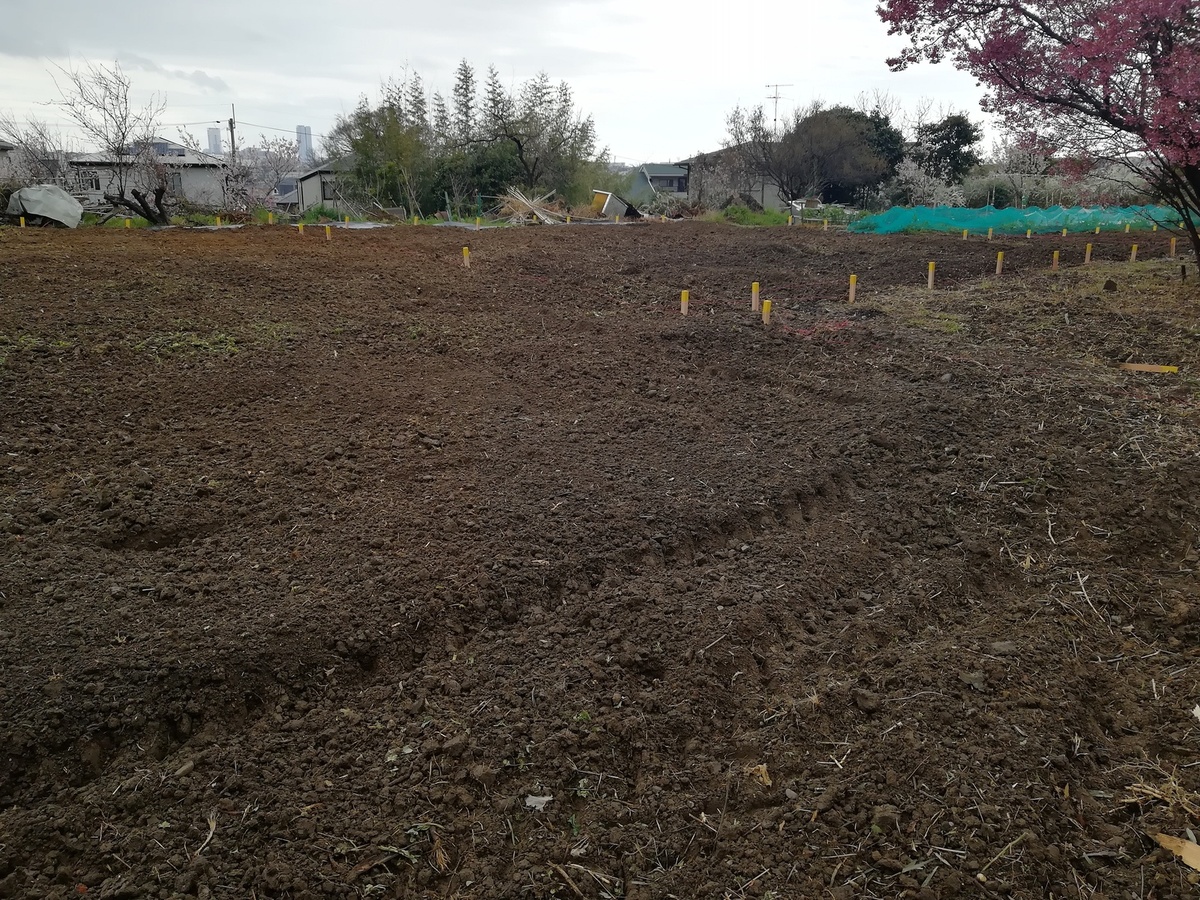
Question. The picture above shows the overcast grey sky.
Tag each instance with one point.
(658, 76)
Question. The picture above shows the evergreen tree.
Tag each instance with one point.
(416, 107)
(463, 125)
(441, 119)
(497, 104)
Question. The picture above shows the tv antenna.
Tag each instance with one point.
(776, 97)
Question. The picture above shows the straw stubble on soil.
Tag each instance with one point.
(325, 563)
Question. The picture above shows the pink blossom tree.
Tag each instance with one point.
(1116, 79)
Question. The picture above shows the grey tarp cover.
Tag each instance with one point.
(47, 201)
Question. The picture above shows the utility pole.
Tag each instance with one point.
(776, 97)
(232, 141)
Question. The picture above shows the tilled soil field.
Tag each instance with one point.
(335, 569)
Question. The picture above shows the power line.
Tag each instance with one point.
(269, 127)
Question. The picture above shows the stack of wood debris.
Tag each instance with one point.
(519, 209)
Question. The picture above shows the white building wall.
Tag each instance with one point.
(198, 185)
(202, 186)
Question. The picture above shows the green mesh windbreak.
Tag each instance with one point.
(1017, 221)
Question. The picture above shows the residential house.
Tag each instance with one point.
(319, 187)
(658, 178)
(286, 196)
(191, 176)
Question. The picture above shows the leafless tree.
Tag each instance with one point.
(97, 98)
(879, 101)
(41, 150)
(718, 176)
(275, 160)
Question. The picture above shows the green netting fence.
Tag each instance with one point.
(902, 219)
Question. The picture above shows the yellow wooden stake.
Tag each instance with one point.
(853, 286)
(825, 227)
(1000, 263)
(568, 220)
(1146, 367)
(270, 218)
(1054, 265)
(415, 220)
(22, 221)
(932, 269)
(766, 312)
(128, 224)
(301, 229)
(467, 257)
(1155, 228)
(1133, 254)
(989, 234)
(346, 219)
(618, 220)
(964, 234)
(664, 218)
(1127, 226)
(791, 219)
(328, 233)
(478, 223)
(683, 302)
(1087, 255)
(1171, 255)
(1028, 233)
(1097, 229)
(754, 297)
(1064, 232)
(218, 221)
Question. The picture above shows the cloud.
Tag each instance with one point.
(659, 78)
(197, 77)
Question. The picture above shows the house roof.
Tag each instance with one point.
(663, 170)
(178, 155)
(329, 168)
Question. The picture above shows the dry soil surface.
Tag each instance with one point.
(335, 569)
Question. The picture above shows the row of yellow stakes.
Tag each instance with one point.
(1054, 260)
(300, 226)
(766, 304)
(1029, 231)
(479, 224)
(763, 307)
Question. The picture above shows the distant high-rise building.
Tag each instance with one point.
(214, 141)
(304, 144)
